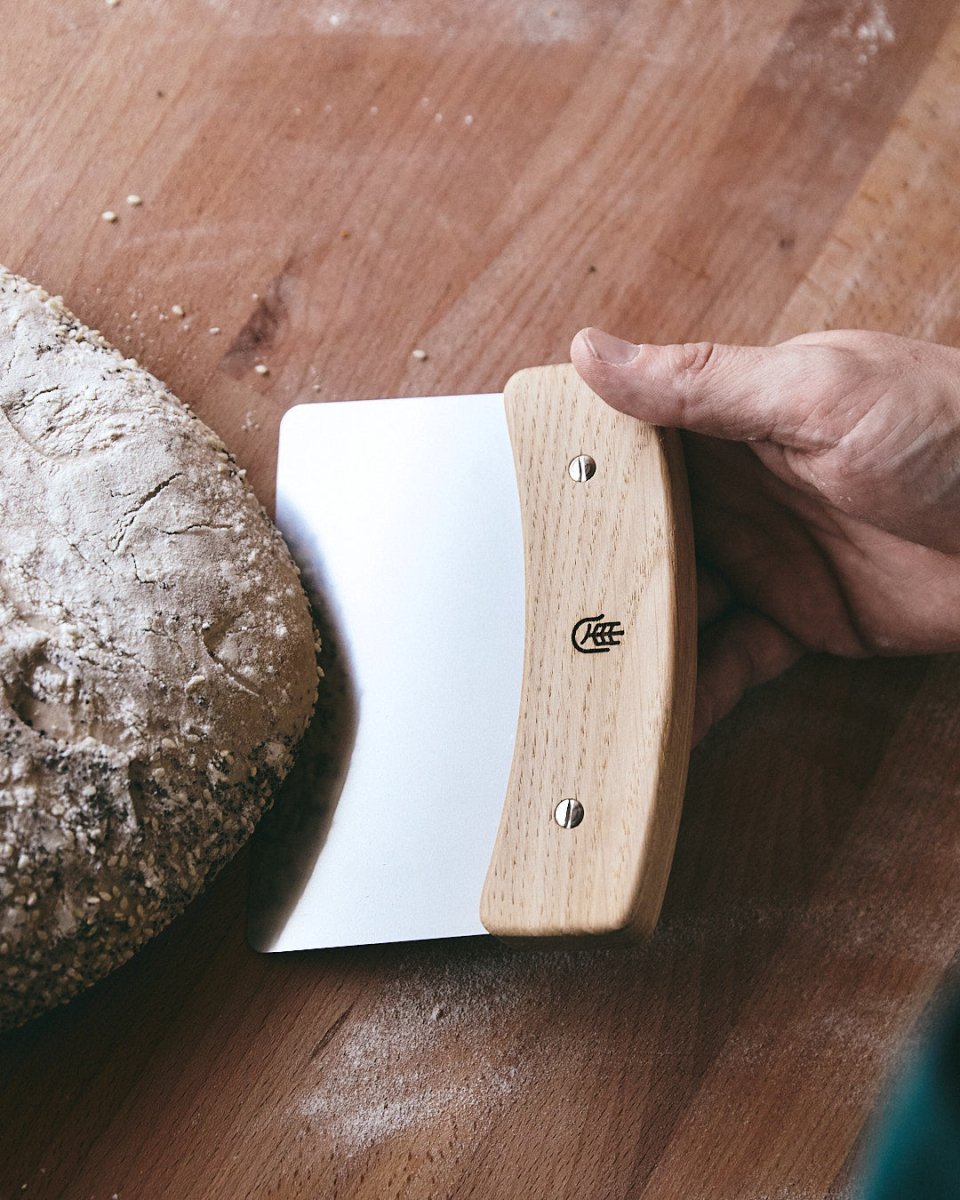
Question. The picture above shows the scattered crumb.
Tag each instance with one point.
(419, 355)
(438, 117)
(249, 423)
(436, 1013)
(177, 310)
(254, 295)
(134, 200)
(134, 315)
(262, 369)
(425, 101)
(374, 110)
(109, 216)
(468, 119)
(344, 233)
(214, 329)
(336, 19)
(317, 387)
(112, 3)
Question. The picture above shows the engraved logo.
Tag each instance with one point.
(595, 635)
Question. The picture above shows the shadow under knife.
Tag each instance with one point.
(290, 837)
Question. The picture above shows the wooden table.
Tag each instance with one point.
(332, 185)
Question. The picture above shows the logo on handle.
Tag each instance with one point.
(594, 635)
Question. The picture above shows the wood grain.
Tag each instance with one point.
(724, 170)
(605, 725)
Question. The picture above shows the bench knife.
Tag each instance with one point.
(505, 592)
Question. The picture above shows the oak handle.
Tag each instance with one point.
(609, 668)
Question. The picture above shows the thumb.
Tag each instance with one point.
(745, 393)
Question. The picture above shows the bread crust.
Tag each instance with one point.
(157, 654)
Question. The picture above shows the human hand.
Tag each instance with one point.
(825, 483)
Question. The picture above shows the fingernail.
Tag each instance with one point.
(613, 351)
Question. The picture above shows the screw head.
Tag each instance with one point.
(568, 814)
(582, 468)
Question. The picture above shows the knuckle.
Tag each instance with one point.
(841, 367)
(693, 358)
(843, 360)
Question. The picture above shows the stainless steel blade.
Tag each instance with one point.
(404, 515)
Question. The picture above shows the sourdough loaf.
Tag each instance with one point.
(157, 654)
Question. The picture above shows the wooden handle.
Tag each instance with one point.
(609, 668)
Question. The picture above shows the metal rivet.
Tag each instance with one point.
(568, 814)
(582, 468)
